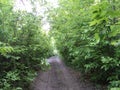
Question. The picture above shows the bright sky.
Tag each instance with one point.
(26, 5)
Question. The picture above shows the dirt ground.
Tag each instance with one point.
(60, 77)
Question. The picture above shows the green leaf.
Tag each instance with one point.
(97, 37)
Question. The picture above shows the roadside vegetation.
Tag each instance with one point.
(23, 47)
(87, 35)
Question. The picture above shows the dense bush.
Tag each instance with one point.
(23, 47)
(87, 36)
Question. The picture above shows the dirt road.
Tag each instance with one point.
(60, 77)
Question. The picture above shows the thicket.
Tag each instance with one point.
(87, 35)
(23, 47)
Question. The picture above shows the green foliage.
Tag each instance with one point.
(23, 47)
(45, 65)
(87, 36)
(5, 49)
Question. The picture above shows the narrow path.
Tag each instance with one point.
(59, 77)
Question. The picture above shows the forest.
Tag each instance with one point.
(86, 35)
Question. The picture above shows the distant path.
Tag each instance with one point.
(59, 77)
